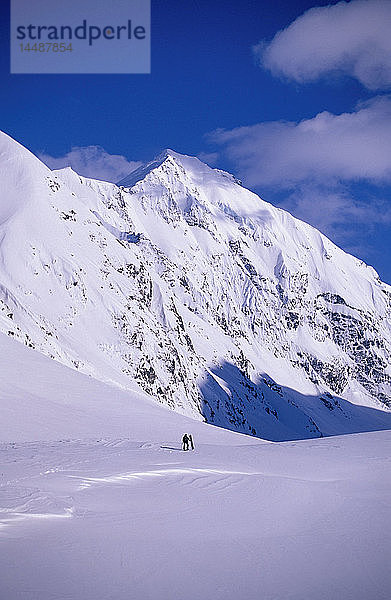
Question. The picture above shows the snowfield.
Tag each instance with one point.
(107, 507)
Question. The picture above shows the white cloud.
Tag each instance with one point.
(349, 37)
(327, 148)
(335, 211)
(210, 158)
(94, 162)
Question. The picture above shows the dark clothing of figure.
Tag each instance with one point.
(191, 441)
(185, 442)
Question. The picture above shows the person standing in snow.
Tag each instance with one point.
(191, 441)
(185, 442)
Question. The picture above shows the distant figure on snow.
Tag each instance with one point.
(185, 442)
(191, 441)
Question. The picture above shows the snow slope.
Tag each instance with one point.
(191, 288)
(106, 506)
(42, 400)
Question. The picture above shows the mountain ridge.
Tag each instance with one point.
(208, 298)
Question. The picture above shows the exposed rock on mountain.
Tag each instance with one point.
(182, 282)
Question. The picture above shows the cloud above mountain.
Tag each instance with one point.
(338, 213)
(347, 147)
(349, 37)
(310, 168)
(94, 162)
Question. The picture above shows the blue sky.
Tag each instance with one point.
(303, 120)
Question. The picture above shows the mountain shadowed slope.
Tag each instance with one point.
(181, 282)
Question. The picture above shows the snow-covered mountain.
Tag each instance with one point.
(183, 283)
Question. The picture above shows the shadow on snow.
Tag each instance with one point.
(277, 413)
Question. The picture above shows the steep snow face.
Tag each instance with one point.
(191, 287)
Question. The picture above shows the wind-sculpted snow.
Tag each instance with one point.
(243, 519)
(191, 287)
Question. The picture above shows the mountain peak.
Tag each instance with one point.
(168, 152)
(13, 152)
(142, 171)
(190, 164)
(20, 169)
(194, 182)
(209, 299)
